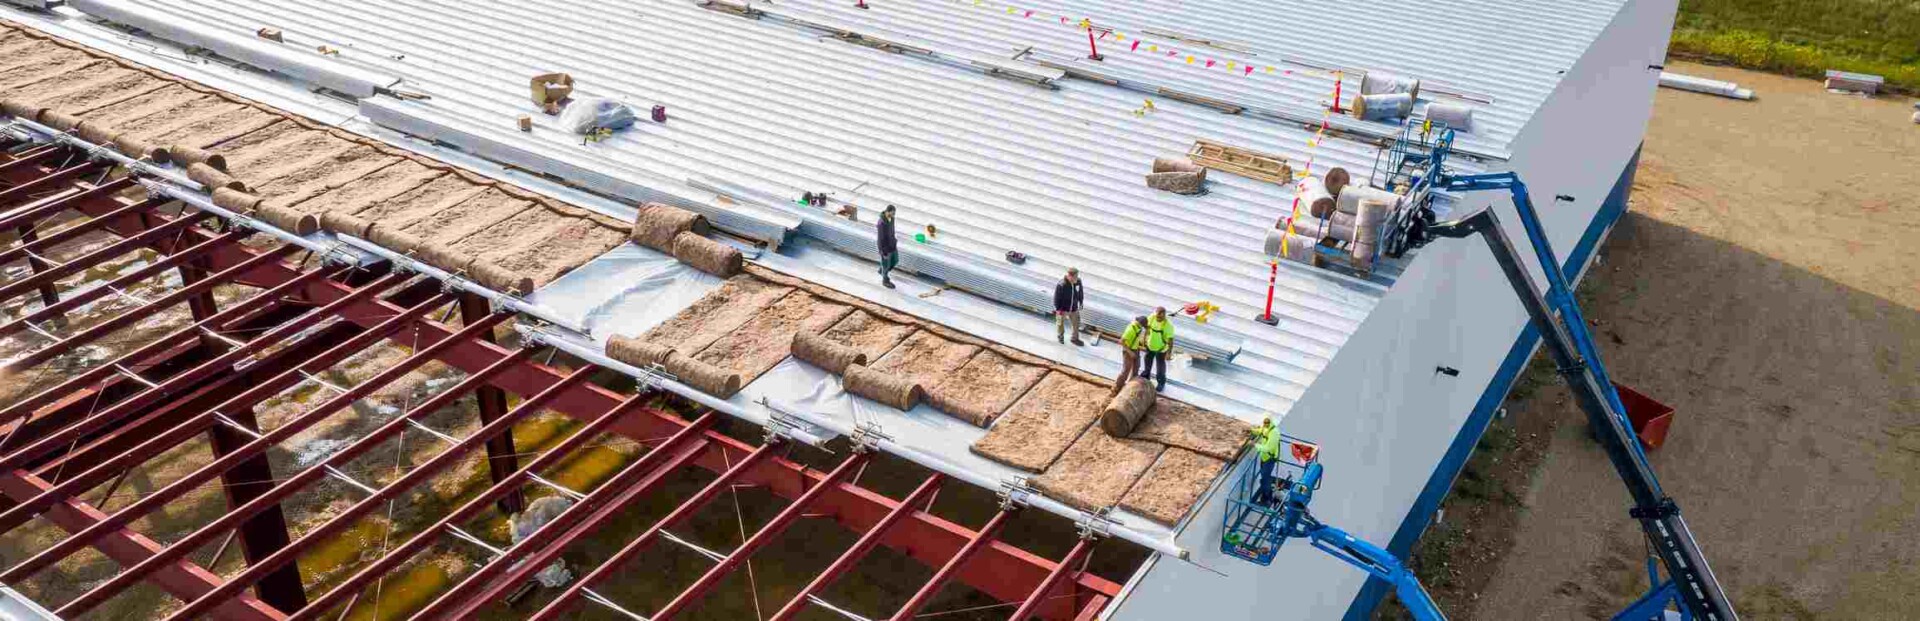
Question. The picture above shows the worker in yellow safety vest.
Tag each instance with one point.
(1266, 444)
(1131, 342)
(1159, 342)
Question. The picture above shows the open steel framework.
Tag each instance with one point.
(206, 376)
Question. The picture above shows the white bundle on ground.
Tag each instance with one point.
(537, 514)
(1386, 107)
(1294, 247)
(1383, 83)
(1349, 201)
(587, 114)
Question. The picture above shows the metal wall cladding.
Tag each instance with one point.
(997, 164)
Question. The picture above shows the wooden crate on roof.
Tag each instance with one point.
(1244, 162)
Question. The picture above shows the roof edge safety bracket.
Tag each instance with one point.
(1014, 493)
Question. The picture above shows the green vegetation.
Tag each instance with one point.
(1806, 38)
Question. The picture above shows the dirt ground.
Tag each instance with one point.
(1764, 285)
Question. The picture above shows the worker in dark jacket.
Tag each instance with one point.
(889, 247)
(1068, 297)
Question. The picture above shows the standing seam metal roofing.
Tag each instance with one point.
(997, 164)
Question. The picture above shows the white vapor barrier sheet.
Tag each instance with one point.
(626, 291)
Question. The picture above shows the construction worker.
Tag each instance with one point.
(889, 247)
(1159, 342)
(1068, 297)
(1131, 342)
(1266, 444)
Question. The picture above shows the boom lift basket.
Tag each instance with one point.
(1255, 527)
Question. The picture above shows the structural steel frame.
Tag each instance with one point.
(207, 377)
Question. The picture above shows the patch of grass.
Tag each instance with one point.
(1806, 38)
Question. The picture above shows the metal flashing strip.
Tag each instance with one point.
(274, 57)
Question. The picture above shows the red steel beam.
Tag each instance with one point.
(1043, 595)
(226, 360)
(286, 488)
(75, 299)
(1091, 611)
(534, 553)
(1005, 572)
(185, 431)
(265, 532)
(949, 570)
(34, 244)
(29, 159)
(760, 538)
(186, 579)
(560, 605)
(373, 501)
(32, 214)
(26, 191)
(492, 403)
(75, 266)
(871, 538)
(132, 316)
(49, 295)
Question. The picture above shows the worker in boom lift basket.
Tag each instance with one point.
(1266, 443)
(1068, 296)
(1159, 343)
(889, 247)
(1132, 341)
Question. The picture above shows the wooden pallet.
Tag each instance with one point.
(1243, 162)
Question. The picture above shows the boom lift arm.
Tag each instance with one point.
(1578, 361)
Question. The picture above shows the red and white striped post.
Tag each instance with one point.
(1093, 50)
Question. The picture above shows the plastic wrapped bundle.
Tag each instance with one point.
(1314, 197)
(958, 408)
(1372, 217)
(1383, 83)
(1126, 409)
(213, 178)
(702, 376)
(1456, 117)
(1177, 175)
(1389, 107)
(1349, 201)
(1295, 247)
(498, 278)
(235, 201)
(636, 352)
(824, 353)
(188, 156)
(707, 255)
(588, 114)
(656, 225)
(345, 224)
(896, 391)
(286, 219)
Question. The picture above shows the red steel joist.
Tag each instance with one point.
(998, 569)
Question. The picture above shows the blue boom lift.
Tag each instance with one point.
(1258, 521)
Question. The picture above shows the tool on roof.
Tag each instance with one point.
(1200, 311)
(550, 90)
(271, 34)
